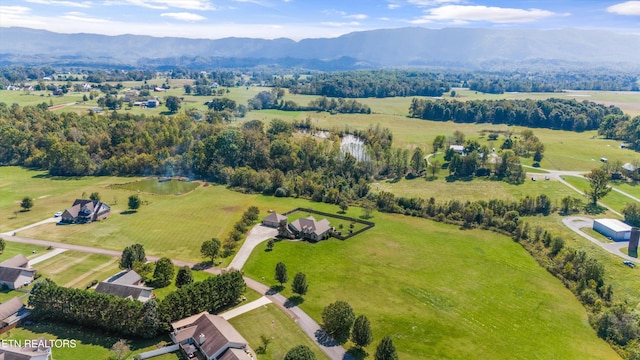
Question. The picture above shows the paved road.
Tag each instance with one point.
(258, 234)
(46, 256)
(575, 223)
(306, 323)
(45, 221)
(246, 308)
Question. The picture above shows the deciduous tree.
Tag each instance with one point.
(134, 202)
(300, 352)
(132, 254)
(26, 203)
(299, 285)
(599, 185)
(337, 319)
(184, 277)
(281, 273)
(211, 249)
(163, 274)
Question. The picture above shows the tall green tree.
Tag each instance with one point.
(632, 214)
(211, 249)
(132, 254)
(184, 277)
(163, 273)
(150, 319)
(3, 244)
(26, 203)
(94, 196)
(299, 285)
(598, 185)
(172, 103)
(134, 202)
(281, 273)
(386, 350)
(337, 319)
(361, 334)
(438, 143)
(417, 160)
(300, 352)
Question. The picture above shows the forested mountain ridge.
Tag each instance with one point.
(376, 48)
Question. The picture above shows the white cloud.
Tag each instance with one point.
(184, 16)
(467, 13)
(341, 24)
(78, 16)
(356, 16)
(434, 2)
(165, 4)
(392, 6)
(625, 8)
(82, 4)
(14, 10)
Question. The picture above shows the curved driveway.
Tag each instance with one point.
(575, 223)
(257, 235)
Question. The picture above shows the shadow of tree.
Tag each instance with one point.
(128, 212)
(325, 339)
(293, 301)
(594, 209)
(357, 353)
(275, 289)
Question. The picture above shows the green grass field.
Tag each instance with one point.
(155, 187)
(478, 189)
(12, 249)
(88, 344)
(631, 188)
(77, 269)
(271, 322)
(439, 292)
(613, 199)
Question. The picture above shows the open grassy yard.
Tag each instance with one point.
(631, 188)
(77, 269)
(89, 344)
(613, 199)
(12, 249)
(439, 292)
(153, 186)
(477, 189)
(271, 322)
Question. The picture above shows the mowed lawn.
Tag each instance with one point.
(440, 292)
(613, 199)
(77, 269)
(88, 344)
(272, 323)
(477, 189)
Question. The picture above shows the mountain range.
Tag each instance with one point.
(402, 47)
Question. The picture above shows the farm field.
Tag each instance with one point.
(448, 307)
(271, 322)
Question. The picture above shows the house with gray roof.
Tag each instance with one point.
(310, 228)
(126, 284)
(11, 312)
(35, 350)
(15, 272)
(274, 220)
(210, 337)
(85, 211)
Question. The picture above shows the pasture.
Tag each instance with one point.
(439, 292)
(77, 269)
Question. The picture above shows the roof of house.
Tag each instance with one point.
(275, 217)
(85, 207)
(121, 290)
(614, 224)
(16, 261)
(235, 354)
(311, 225)
(11, 274)
(217, 332)
(629, 167)
(10, 307)
(10, 352)
(127, 277)
(456, 147)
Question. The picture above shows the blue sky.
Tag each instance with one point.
(298, 19)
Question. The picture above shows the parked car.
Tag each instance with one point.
(58, 214)
(629, 264)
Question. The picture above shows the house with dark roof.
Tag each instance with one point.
(210, 337)
(310, 228)
(11, 312)
(15, 272)
(274, 219)
(85, 211)
(126, 284)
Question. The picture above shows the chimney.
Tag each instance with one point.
(633, 242)
(201, 339)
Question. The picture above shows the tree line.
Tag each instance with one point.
(621, 127)
(559, 114)
(274, 100)
(132, 318)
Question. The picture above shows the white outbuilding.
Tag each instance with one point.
(614, 229)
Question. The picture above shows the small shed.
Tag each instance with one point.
(612, 228)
